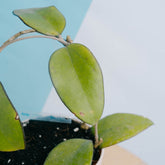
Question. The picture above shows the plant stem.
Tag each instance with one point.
(96, 134)
(15, 38)
(97, 140)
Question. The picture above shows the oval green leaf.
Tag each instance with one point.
(71, 152)
(119, 127)
(46, 20)
(11, 132)
(78, 80)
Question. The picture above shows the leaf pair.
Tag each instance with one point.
(75, 72)
(112, 129)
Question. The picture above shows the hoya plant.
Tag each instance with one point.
(78, 80)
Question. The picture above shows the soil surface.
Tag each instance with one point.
(41, 137)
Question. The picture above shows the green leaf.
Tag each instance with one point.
(71, 152)
(46, 20)
(78, 80)
(11, 133)
(119, 127)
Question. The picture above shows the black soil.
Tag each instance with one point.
(41, 137)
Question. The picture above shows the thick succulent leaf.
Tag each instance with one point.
(78, 80)
(46, 20)
(119, 127)
(71, 152)
(11, 133)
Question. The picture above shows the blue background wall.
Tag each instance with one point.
(24, 65)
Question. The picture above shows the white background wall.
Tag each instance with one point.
(128, 39)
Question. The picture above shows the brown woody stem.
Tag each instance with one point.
(17, 37)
